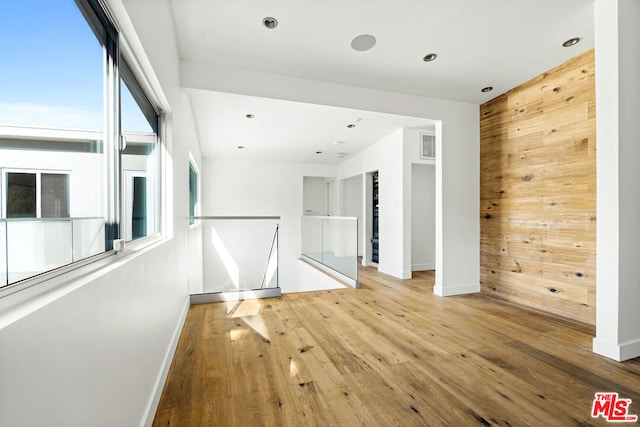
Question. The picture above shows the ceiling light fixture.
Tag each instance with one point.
(240, 147)
(351, 126)
(430, 57)
(487, 89)
(363, 42)
(340, 142)
(318, 152)
(270, 23)
(250, 116)
(571, 42)
(342, 155)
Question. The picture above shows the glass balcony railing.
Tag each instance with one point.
(239, 254)
(30, 246)
(333, 242)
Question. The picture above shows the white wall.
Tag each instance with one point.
(352, 204)
(258, 188)
(617, 40)
(194, 238)
(84, 169)
(386, 157)
(423, 217)
(314, 196)
(93, 351)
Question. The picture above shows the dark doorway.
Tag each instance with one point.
(375, 244)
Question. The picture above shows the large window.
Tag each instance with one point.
(79, 156)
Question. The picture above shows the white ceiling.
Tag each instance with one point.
(289, 131)
(499, 43)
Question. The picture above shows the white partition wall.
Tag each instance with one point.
(618, 204)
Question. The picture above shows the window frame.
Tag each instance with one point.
(154, 118)
(115, 53)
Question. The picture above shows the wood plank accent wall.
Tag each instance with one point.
(538, 192)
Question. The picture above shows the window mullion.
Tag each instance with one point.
(112, 143)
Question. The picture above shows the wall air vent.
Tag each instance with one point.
(427, 146)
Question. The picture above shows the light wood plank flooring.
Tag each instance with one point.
(388, 354)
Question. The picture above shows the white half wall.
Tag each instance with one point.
(312, 279)
(617, 40)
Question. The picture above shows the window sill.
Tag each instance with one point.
(33, 294)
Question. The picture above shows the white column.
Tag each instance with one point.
(617, 43)
(457, 208)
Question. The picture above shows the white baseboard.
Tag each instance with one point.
(630, 350)
(423, 267)
(154, 400)
(395, 273)
(452, 290)
(617, 352)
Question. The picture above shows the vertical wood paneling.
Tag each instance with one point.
(538, 192)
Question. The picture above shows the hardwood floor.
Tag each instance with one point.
(388, 354)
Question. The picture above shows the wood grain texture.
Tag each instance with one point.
(538, 192)
(388, 354)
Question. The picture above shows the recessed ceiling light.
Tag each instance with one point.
(340, 142)
(363, 42)
(250, 116)
(270, 22)
(351, 126)
(430, 57)
(342, 155)
(241, 147)
(318, 152)
(571, 42)
(487, 89)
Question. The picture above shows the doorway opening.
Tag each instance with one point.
(375, 217)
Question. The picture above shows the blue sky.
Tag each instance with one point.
(51, 68)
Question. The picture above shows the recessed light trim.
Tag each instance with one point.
(363, 42)
(318, 152)
(240, 147)
(571, 42)
(270, 22)
(430, 57)
(487, 89)
(351, 125)
(250, 116)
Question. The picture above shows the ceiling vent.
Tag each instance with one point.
(427, 146)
